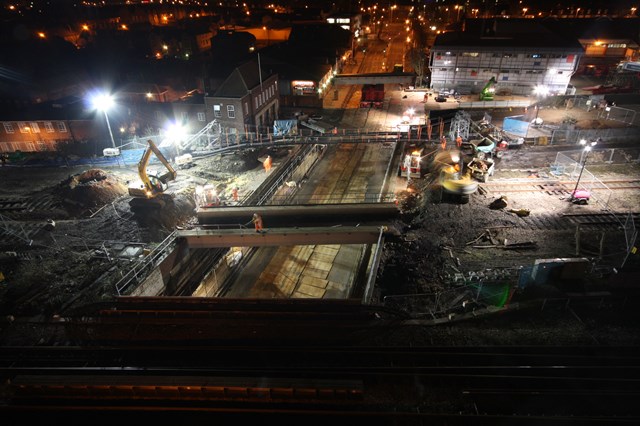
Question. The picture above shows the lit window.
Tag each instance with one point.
(231, 111)
(216, 111)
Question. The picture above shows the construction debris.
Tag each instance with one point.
(499, 203)
(520, 212)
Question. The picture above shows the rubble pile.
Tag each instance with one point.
(91, 189)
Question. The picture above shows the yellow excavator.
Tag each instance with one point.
(147, 190)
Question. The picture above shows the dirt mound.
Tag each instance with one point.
(90, 189)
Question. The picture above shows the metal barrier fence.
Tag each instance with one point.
(141, 269)
(616, 113)
(573, 136)
(571, 168)
(495, 104)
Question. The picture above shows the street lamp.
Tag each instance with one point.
(587, 149)
(102, 103)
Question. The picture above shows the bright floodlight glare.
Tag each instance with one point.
(541, 90)
(176, 132)
(455, 158)
(102, 102)
(411, 111)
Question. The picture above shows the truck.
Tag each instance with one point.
(372, 96)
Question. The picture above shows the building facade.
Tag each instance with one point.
(247, 102)
(465, 61)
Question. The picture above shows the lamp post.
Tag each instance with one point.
(587, 149)
(102, 103)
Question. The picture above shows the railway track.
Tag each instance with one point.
(14, 207)
(552, 221)
(555, 187)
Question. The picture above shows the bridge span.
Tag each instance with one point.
(375, 78)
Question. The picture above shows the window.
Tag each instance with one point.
(23, 127)
(231, 111)
(470, 54)
(201, 116)
(8, 127)
(616, 45)
(256, 101)
(42, 146)
(537, 63)
(61, 127)
(246, 108)
(34, 127)
(49, 127)
(444, 69)
(508, 55)
(504, 71)
(536, 56)
(216, 111)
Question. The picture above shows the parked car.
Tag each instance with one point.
(441, 98)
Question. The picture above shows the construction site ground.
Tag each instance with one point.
(95, 233)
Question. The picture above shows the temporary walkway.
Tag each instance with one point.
(199, 238)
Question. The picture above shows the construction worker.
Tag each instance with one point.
(459, 141)
(257, 222)
(234, 193)
(443, 143)
(267, 164)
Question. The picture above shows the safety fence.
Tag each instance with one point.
(616, 113)
(561, 136)
(495, 104)
(575, 168)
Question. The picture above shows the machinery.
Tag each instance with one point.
(410, 166)
(488, 90)
(580, 196)
(372, 96)
(455, 185)
(481, 169)
(150, 186)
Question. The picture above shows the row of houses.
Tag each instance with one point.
(243, 99)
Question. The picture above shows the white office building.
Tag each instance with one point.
(519, 59)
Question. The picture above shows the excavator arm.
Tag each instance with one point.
(150, 186)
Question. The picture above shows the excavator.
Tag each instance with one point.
(487, 91)
(147, 191)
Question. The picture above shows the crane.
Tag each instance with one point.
(149, 186)
(487, 91)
